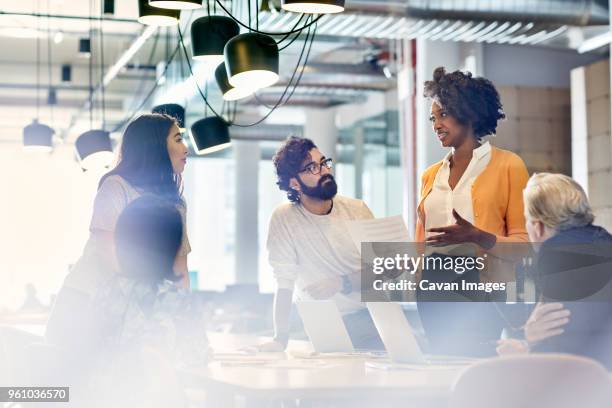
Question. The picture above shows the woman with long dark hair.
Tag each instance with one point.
(151, 160)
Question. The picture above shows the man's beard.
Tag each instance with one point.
(324, 190)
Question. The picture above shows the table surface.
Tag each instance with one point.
(284, 375)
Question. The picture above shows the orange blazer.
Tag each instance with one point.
(497, 197)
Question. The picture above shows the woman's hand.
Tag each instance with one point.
(546, 320)
(460, 232)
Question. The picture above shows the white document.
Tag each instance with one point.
(389, 229)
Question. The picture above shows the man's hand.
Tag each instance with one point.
(324, 289)
(460, 232)
(546, 320)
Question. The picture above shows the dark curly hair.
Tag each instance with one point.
(472, 101)
(288, 162)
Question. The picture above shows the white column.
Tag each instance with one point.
(320, 127)
(247, 155)
(470, 55)
(407, 137)
(580, 151)
(358, 141)
(430, 55)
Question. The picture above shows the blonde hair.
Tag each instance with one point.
(557, 201)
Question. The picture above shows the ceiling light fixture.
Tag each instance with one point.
(176, 4)
(251, 59)
(58, 37)
(209, 35)
(174, 110)
(210, 135)
(154, 16)
(313, 6)
(94, 149)
(38, 137)
(229, 92)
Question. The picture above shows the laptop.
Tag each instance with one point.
(324, 326)
(399, 339)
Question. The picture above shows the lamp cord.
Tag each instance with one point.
(49, 65)
(100, 23)
(292, 28)
(249, 11)
(182, 44)
(299, 76)
(37, 63)
(248, 27)
(90, 67)
(169, 60)
(151, 91)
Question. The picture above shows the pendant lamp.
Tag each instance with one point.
(176, 4)
(209, 35)
(229, 92)
(174, 110)
(94, 149)
(154, 16)
(313, 6)
(38, 137)
(210, 135)
(251, 60)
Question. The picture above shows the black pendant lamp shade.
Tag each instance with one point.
(313, 6)
(210, 135)
(174, 110)
(94, 149)
(37, 136)
(176, 4)
(209, 35)
(229, 92)
(154, 16)
(251, 60)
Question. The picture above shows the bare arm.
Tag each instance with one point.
(281, 315)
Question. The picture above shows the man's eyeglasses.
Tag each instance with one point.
(315, 168)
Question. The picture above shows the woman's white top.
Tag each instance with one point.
(93, 268)
(441, 201)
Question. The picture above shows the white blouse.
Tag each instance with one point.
(441, 201)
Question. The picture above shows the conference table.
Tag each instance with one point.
(298, 378)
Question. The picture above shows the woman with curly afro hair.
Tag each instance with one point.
(470, 201)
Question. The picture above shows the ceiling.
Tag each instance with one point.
(349, 58)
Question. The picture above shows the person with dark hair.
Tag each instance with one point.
(470, 201)
(310, 249)
(144, 326)
(151, 160)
